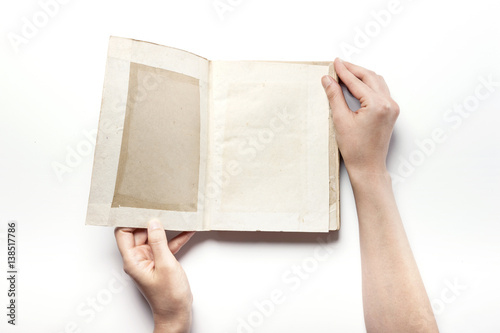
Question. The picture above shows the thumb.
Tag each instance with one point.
(335, 96)
(157, 239)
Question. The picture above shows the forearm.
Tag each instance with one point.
(394, 297)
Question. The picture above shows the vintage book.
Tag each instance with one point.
(213, 145)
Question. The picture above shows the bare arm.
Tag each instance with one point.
(394, 296)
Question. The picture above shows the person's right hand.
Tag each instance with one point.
(363, 136)
(394, 296)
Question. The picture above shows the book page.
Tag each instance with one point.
(160, 152)
(333, 153)
(151, 152)
(268, 147)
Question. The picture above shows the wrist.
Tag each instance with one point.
(372, 177)
(178, 324)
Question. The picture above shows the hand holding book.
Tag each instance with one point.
(363, 136)
(394, 296)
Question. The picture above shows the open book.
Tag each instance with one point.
(213, 145)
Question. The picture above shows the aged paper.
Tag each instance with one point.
(160, 150)
(155, 71)
(271, 121)
(213, 145)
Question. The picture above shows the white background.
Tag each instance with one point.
(432, 55)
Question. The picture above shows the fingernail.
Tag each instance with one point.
(154, 224)
(341, 61)
(326, 81)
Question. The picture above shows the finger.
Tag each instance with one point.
(124, 239)
(335, 96)
(178, 241)
(355, 85)
(370, 78)
(140, 236)
(157, 239)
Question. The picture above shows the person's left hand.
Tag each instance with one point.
(149, 260)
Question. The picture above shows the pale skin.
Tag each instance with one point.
(394, 296)
(149, 260)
